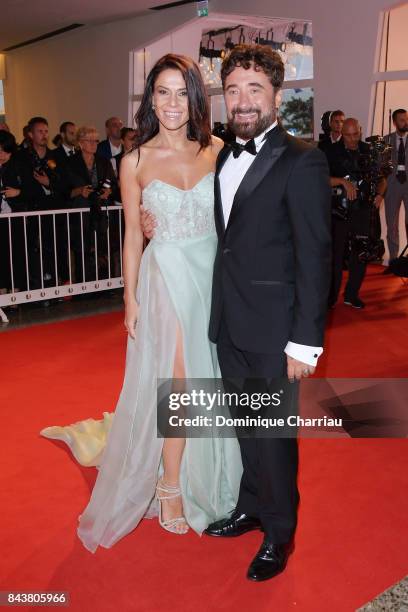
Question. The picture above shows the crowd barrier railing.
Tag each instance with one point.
(59, 255)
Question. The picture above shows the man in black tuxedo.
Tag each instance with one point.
(270, 285)
(66, 149)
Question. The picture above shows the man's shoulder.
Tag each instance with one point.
(299, 148)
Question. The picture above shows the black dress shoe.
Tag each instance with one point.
(235, 525)
(269, 561)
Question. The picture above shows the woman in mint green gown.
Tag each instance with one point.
(171, 173)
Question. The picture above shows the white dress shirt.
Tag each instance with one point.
(334, 140)
(114, 149)
(231, 176)
(68, 150)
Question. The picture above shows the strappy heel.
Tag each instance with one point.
(165, 491)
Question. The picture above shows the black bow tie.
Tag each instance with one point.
(249, 147)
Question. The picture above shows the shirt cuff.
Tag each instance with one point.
(304, 353)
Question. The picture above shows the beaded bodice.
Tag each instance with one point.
(181, 214)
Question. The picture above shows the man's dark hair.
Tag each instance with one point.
(126, 130)
(63, 126)
(259, 57)
(399, 111)
(7, 142)
(336, 113)
(34, 121)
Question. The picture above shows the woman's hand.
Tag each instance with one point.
(10, 192)
(131, 316)
(147, 222)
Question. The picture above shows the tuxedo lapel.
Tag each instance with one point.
(271, 151)
(219, 214)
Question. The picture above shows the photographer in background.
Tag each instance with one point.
(11, 200)
(345, 163)
(336, 122)
(397, 188)
(42, 187)
(86, 176)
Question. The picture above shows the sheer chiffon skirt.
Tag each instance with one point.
(174, 292)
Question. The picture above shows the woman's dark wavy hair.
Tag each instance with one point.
(7, 142)
(198, 127)
(261, 57)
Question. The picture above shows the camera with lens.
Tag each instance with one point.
(44, 165)
(99, 220)
(374, 165)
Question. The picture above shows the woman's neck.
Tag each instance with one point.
(88, 158)
(173, 139)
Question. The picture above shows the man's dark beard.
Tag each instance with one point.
(246, 131)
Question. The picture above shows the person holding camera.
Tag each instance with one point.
(91, 182)
(42, 188)
(355, 216)
(11, 200)
(397, 188)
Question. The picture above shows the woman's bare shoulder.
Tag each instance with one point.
(216, 144)
(135, 159)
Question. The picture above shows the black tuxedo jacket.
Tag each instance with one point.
(104, 149)
(273, 263)
(60, 156)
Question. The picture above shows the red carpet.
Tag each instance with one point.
(352, 540)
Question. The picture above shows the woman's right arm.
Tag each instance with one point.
(133, 242)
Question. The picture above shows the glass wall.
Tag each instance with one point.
(391, 80)
(208, 39)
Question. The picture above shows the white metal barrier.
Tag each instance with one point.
(73, 285)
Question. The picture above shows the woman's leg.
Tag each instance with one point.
(173, 450)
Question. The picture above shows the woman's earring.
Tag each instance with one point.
(153, 107)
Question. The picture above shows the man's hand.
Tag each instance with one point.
(42, 179)
(378, 200)
(351, 190)
(105, 193)
(10, 192)
(298, 369)
(147, 222)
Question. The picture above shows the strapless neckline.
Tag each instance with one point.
(177, 188)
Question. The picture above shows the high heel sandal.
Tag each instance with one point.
(169, 493)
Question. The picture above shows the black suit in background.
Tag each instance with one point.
(62, 158)
(326, 144)
(10, 176)
(78, 175)
(104, 149)
(36, 198)
(270, 285)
